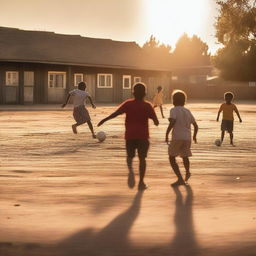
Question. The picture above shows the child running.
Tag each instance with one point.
(227, 123)
(180, 124)
(137, 113)
(80, 113)
(158, 100)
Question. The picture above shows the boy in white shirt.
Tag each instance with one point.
(80, 113)
(180, 124)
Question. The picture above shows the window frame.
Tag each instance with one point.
(75, 78)
(11, 78)
(136, 77)
(105, 79)
(130, 82)
(57, 73)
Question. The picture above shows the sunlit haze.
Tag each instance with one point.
(125, 20)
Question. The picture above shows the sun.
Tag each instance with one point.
(167, 20)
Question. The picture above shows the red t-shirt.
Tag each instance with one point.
(137, 114)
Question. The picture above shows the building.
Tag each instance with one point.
(41, 67)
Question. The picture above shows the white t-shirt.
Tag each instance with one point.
(79, 97)
(182, 127)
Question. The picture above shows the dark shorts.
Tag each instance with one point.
(142, 147)
(81, 114)
(227, 125)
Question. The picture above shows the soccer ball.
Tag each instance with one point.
(101, 136)
(217, 142)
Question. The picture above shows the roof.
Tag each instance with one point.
(48, 47)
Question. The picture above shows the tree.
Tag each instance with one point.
(154, 47)
(236, 31)
(191, 51)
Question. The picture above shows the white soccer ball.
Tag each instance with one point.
(217, 142)
(101, 136)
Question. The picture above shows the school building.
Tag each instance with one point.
(41, 67)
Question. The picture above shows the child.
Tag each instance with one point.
(227, 123)
(80, 113)
(158, 99)
(137, 113)
(180, 124)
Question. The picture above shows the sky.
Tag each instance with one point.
(123, 20)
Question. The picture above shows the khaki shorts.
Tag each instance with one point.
(180, 148)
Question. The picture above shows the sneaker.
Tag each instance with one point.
(131, 180)
(74, 129)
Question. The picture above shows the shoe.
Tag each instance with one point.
(131, 180)
(74, 129)
(142, 186)
(178, 183)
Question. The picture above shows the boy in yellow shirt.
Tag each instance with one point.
(227, 123)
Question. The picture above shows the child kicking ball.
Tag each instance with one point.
(80, 113)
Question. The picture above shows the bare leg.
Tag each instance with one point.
(91, 128)
(161, 109)
(231, 138)
(74, 126)
(131, 179)
(142, 168)
(176, 170)
(222, 136)
(187, 166)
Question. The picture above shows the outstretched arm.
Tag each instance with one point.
(113, 115)
(195, 131)
(67, 99)
(218, 116)
(90, 99)
(171, 124)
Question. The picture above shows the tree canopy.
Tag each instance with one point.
(236, 31)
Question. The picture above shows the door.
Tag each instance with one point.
(127, 87)
(29, 86)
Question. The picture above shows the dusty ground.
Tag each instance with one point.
(66, 194)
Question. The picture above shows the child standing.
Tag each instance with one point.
(158, 100)
(227, 123)
(180, 124)
(137, 113)
(80, 113)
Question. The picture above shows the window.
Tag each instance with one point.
(28, 78)
(12, 78)
(174, 78)
(78, 78)
(57, 79)
(126, 82)
(252, 84)
(137, 79)
(105, 81)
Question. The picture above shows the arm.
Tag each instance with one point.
(195, 131)
(152, 115)
(238, 115)
(113, 115)
(171, 124)
(67, 99)
(220, 110)
(90, 99)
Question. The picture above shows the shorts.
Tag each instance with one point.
(227, 125)
(81, 114)
(180, 148)
(141, 145)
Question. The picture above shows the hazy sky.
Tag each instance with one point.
(124, 20)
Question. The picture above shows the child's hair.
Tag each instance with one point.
(82, 86)
(179, 98)
(139, 91)
(229, 96)
(159, 88)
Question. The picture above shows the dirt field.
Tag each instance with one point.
(67, 194)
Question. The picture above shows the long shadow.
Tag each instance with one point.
(111, 240)
(184, 241)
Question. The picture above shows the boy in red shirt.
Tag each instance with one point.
(137, 113)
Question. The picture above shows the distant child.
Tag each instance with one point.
(137, 113)
(80, 113)
(180, 124)
(158, 99)
(227, 123)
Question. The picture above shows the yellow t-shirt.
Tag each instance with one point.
(228, 110)
(158, 99)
